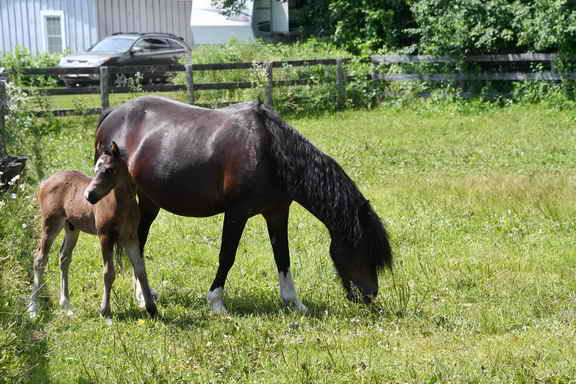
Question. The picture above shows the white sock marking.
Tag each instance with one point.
(215, 300)
(288, 291)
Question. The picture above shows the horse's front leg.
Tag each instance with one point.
(133, 250)
(148, 213)
(107, 244)
(277, 224)
(70, 240)
(50, 229)
(231, 234)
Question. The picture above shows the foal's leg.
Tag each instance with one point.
(231, 233)
(107, 244)
(50, 229)
(133, 250)
(70, 239)
(278, 231)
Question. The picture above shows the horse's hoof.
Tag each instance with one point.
(218, 308)
(300, 307)
(216, 301)
(152, 311)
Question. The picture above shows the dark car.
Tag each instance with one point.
(123, 49)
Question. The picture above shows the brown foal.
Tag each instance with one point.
(105, 206)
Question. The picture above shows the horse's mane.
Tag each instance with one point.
(320, 185)
(97, 148)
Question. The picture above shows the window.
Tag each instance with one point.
(53, 28)
(175, 45)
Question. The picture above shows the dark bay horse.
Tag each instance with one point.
(242, 161)
(105, 206)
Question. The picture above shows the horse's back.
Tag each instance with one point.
(188, 160)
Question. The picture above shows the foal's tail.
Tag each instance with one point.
(119, 255)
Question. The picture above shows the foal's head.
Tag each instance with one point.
(110, 170)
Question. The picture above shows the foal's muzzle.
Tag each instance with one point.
(91, 196)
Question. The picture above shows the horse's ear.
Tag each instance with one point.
(114, 149)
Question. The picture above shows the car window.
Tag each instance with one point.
(112, 45)
(175, 45)
(150, 44)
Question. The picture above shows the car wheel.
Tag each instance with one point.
(70, 83)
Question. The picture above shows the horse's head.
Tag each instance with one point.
(358, 272)
(358, 263)
(108, 170)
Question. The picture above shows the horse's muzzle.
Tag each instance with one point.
(359, 295)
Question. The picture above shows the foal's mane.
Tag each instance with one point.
(320, 185)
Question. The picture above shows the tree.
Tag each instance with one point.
(357, 25)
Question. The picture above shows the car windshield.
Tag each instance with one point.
(114, 45)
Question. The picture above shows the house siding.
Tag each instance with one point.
(21, 24)
(87, 21)
(171, 16)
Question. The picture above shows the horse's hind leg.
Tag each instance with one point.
(50, 229)
(133, 250)
(70, 239)
(278, 231)
(231, 234)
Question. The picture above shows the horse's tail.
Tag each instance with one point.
(98, 144)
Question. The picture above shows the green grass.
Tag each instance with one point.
(480, 207)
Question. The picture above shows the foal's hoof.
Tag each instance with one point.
(33, 313)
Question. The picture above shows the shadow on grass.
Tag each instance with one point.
(185, 310)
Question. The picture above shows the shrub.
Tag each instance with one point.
(21, 58)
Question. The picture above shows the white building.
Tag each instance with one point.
(260, 18)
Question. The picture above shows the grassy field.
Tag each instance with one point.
(480, 206)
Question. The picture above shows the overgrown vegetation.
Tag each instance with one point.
(476, 196)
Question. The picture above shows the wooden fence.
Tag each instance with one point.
(191, 88)
(379, 63)
(549, 59)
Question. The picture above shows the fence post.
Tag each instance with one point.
(340, 84)
(268, 95)
(104, 88)
(189, 83)
(374, 74)
(3, 113)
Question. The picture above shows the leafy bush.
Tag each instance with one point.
(21, 58)
(465, 27)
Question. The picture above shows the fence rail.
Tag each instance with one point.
(104, 73)
(378, 62)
